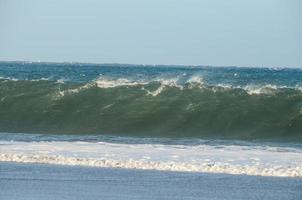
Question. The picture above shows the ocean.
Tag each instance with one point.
(232, 120)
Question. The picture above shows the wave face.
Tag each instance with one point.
(151, 101)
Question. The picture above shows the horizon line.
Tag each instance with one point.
(153, 65)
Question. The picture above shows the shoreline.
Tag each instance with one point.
(37, 181)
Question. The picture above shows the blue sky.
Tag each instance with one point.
(209, 32)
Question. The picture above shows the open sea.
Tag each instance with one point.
(232, 120)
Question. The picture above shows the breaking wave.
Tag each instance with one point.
(158, 107)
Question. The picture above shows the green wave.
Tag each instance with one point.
(132, 110)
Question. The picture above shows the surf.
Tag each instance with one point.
(151, 101)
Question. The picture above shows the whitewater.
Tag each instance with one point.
(264, 160)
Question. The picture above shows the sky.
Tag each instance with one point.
(194, 32)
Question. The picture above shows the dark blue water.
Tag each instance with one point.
(75, 72)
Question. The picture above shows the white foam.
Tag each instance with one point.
(106, 83)
(257, 90)
(195, 81)
(163, 84)
(76, 90)
(250, 160)
(61, 80)
(8, 78)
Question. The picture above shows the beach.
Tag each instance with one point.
(43, 181)
(150, 100)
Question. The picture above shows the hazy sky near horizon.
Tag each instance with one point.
(208, 32)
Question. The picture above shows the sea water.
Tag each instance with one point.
(179, 118)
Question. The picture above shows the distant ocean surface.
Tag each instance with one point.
(181, 118)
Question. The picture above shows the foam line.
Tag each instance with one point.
(263, 161)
